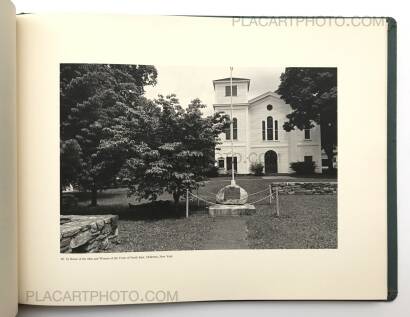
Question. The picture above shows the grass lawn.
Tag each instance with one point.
(306, 221)
(163, 235)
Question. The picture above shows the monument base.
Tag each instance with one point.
(231, 210)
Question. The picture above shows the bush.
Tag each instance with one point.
(212, 172)
(332, 172)
(303, 168)
(257, 169)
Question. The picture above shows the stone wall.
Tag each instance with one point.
(83, 234)
(306, 188)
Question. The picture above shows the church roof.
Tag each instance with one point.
(264, 95)
(228, 79)
(233, 78)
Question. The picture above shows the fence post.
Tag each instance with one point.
(270, 194)
(277, 201)
(187, 204)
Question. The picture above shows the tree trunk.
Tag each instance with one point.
(176, 196)
(330, 155)
(94, 195)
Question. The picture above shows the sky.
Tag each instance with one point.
(189, 82)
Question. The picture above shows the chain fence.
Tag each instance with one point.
(199, 203)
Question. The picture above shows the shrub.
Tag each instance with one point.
(332, 172)
(257, 168)
(303, 168)
(212, 172)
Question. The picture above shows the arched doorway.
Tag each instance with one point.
(271, 162)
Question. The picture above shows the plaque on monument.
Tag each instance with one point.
(232, 192)
(231, 201)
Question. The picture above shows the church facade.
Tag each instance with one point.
(258, 134)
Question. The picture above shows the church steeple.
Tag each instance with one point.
(240, 89)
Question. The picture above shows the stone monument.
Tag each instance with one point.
(231, 201)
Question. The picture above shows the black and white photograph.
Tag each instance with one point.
(216, 159)
(168, 158)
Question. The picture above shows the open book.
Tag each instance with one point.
(172, 159)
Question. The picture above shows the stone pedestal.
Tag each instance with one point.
(231, 210)
(231, 201)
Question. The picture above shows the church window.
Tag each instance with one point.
(228, 133)
(228, 91)
(229, 163)
(307, 134)
(235, 128)
(269, 133)
(308, 159)
(263, 131)
(221, 162)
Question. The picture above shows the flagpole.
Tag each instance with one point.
(231, 128)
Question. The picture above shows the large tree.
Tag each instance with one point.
(94, 100)
(312, 95)
(179, 154)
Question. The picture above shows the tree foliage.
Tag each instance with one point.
(94, 100)
(312, 95)
(110, 130)
(178, 155)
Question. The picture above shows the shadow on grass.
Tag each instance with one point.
(102, 194)
(156, 210)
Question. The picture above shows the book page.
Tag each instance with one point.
(8, 161)
(96, 230)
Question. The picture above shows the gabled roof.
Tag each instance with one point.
(265, 95)
(234, 79)
(229, 78)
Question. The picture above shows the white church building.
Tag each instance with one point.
(258, 134)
